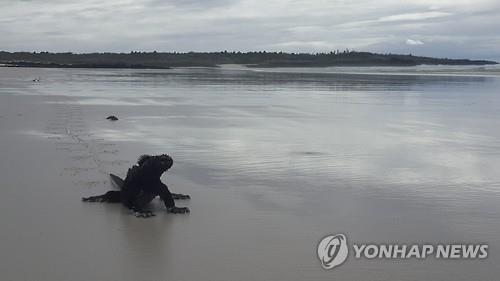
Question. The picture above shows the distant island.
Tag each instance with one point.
(160, 60)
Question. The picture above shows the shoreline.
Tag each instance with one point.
(250, 66)
(89, 66)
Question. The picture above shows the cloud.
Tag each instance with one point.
(246, 25)
(414, 42)
(414, 16)
(304, 45)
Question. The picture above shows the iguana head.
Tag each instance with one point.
(159, 163)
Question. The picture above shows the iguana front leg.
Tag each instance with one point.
(178, 210)
(179, 196)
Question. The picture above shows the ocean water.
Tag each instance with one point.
(383, 155)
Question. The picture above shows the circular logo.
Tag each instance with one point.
(332, 250)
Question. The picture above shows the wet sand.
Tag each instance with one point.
(51, 159)
(253, 216)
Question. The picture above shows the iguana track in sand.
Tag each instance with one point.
(69, 130)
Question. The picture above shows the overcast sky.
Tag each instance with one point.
(443, 28)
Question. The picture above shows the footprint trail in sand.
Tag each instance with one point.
(86, 152)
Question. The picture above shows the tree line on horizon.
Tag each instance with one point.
(136, 59)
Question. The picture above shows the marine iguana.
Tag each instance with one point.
(142, 185)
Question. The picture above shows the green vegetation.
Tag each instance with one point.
(257, 59)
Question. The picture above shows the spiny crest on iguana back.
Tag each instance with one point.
(143, 158)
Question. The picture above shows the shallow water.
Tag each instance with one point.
(402, 155)
(388, 129)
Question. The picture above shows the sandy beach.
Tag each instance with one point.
(253, 216)
(52, 159)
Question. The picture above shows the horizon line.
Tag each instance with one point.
(336, 51)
